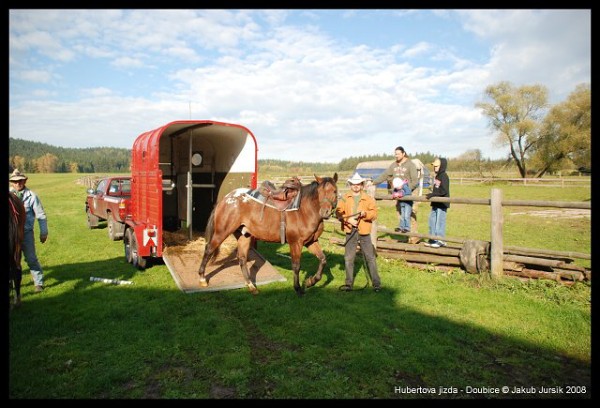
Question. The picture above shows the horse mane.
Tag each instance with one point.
(311, 190)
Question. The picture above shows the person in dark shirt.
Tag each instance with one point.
(437, 216)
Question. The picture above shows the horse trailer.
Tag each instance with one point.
(179, 171)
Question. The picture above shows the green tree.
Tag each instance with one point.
(515, 114)
(566, 134)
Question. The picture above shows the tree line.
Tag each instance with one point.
(540, 139)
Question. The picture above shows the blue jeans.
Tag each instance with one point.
(404, 208)
(437, 221)
(31, 258)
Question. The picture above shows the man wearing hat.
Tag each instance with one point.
(357, 210)
(34, 210)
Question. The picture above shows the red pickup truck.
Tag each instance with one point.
(109, 202)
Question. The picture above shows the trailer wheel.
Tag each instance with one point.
(138, 261)
(92, 220)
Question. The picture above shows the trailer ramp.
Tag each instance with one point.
(223, 273)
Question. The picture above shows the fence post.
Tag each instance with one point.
(497, 249)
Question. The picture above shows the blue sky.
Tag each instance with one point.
(312, 85)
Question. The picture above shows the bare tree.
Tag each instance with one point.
(515, 114)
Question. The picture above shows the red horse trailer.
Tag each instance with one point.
(179, 171)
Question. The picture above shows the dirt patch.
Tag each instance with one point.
(559, 213)
(223, 272)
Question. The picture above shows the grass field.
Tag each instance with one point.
(428, 334)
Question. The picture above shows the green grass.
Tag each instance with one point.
(82, 339)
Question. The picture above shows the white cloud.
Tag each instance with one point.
(305, 94)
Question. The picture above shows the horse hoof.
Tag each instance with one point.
(203, 283)
(253, 289)
(309, 282)
(300, 292)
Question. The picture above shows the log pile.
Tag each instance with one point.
(520, 262)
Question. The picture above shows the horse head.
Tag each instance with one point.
(328, 195)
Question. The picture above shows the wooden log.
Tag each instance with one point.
(421, 258)
(512, 266)
(570, 275)
(559, 276)
(529, 260)
(418, 248)
(530, 273)
(532, 251)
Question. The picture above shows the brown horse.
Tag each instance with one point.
(249, 219)
(16, 230)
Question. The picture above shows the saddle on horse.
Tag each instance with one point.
(283, 197)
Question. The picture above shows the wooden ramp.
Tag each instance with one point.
(222, 274)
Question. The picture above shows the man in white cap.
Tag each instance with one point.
(357, 210)
(34, 210)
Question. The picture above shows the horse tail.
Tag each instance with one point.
(210, 231)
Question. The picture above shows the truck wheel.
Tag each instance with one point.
(92, 220)
(115, 228)
(112, 228)
(133, 257)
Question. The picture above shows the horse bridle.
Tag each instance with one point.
(332, 202)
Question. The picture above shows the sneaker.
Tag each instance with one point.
(398, 229)
(436, 244)
(346, 288)
(442, 243)
(38, 288)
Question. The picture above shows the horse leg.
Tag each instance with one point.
(17, 286)
(295, 253)
(14, 286)
(210, 250)
(208, 253)
(243, 248)
(315, 249)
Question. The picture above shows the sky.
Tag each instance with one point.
(312, 85)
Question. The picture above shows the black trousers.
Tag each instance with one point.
(368, 251)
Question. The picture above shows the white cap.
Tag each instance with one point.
(397, 182)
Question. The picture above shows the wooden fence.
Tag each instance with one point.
(537, 182)
(496, 202)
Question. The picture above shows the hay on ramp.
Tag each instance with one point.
(177, 243)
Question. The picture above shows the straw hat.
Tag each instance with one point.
(356, 179)
(16, 175)
(436, 162)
